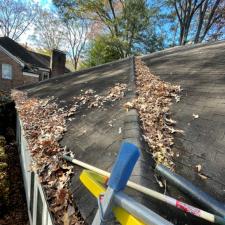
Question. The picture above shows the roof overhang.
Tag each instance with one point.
(31, 74)
(44, 69)
(12, 56)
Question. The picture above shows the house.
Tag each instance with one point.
(19, 66)
(97, 123)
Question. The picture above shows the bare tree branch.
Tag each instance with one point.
(76, 36)
(15, 18)
(185, 10)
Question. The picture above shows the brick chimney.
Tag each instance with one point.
(57, 64)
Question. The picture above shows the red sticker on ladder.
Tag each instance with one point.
(101, 197)
(188, 209)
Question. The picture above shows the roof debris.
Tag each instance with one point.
(44, 124)
(199, 172)
(196, 116)
(154, 97)
(42, 133)
(198, 168)
(92, 100)
(202, 176)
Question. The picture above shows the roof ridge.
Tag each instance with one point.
(76, 73)
(176, 49)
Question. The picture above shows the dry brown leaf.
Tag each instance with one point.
(92, 100)
(129, 105)
(170, 121)
(196, 116)
(153, 100)
(160, 183)
(204, 177)
(66, 220)
(198, 167)
(44, 124)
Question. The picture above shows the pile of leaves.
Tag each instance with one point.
(153, 100)
(44, 124)
(92, 100)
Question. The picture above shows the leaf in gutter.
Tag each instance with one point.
(170, 121)
(172, 130)
(70, 210)
(66, 220)
(44, 124)
(153, 101)
(129, 105)
(61, 196)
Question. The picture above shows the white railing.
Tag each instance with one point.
(36, 202)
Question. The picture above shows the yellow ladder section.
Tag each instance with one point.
(96, 184)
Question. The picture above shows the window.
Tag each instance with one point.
(7, 71)
(45, 75)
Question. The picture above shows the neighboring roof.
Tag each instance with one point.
(20, 52)
(93, 134)
(26, 56)
(44, 59)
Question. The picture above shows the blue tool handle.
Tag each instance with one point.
(123, 167)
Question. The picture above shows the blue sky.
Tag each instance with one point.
(24, 39)
(44, 3)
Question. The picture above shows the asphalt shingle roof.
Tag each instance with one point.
(200, 70)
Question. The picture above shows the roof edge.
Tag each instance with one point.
(76, 73)
(175, 49)
(12, 56)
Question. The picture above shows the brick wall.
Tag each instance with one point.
(18, 78)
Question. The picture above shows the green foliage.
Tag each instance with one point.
(103, 49)
(127, 27)
(148, 42)
(135, 20)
